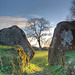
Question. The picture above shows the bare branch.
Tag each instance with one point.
(71, 16)
(36, 27)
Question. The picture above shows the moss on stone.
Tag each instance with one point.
(19, 59)
(14, 60)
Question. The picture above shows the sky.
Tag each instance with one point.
(17, 12)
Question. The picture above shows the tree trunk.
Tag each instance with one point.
(39, 43)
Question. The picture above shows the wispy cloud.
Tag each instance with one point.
(34, 16)
(52, 23)
(7, 21)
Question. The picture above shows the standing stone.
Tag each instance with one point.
(15, 36)
(63, 40)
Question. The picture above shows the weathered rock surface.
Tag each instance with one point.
(14, 59)
(15, 36)
(63, 40)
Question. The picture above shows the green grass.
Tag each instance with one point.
(71, 55)
(4, 50)
(39, 63)
(2, 73)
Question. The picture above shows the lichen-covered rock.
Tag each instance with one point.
(15, 36)
(63, 40)
(19, 60)
(14, 60)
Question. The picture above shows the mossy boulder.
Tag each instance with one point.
(63, 40)
(15, 36)
(14, 59)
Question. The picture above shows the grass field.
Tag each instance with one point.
(3, 51)
(39, 64)
(71, 56)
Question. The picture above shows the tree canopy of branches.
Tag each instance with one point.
(71, 16)
(37, 28)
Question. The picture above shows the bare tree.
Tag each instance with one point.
(37, 28)
(73, 9)
(71, 16)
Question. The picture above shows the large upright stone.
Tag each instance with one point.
(15, 36)
(63, 40)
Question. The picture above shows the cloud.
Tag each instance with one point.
(7, 21)
(34, 16)
(52, 23)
